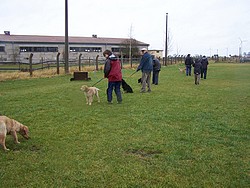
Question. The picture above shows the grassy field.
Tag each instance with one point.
(179, 135)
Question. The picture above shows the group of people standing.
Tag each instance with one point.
(148, 64)
(200, 67)
(112, 71)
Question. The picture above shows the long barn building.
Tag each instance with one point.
(19, 47)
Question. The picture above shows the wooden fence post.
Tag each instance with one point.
(57, 63)
(80, 56)
(42, 62)
(30, 61)
(96, 62)
(121, 60)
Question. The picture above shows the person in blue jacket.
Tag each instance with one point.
(146, 68)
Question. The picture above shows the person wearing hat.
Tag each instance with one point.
(146, 68)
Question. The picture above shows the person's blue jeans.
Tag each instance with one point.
(114, 86)
(205, 73)
(155, 77)
(188, 70)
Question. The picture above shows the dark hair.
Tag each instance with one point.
(107, 52)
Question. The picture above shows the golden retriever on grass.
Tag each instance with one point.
(89, 93)
(11, 126)
(182, 70)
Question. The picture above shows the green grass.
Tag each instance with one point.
(179, 135)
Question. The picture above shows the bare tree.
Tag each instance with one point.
(170, 39)
(130, 45)
(178, 50)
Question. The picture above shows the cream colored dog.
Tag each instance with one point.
(89, 93)
(182, 70)
(11, 126)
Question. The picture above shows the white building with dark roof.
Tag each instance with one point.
(157, 53)
(19, 47)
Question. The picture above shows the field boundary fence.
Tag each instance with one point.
(28, 65)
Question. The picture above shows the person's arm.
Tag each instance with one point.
(141, 64)
(107, 68)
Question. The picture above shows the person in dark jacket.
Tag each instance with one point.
(197, 71)
(188, 62)
(204, 63)
(112, 71)
(156, 70)
(146, 68)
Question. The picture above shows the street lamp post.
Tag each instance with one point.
(166, 42)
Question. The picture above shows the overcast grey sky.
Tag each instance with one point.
(195, 26)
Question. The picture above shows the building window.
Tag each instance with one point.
(97, 49)
(118, 50)
(115, 49)
(38, 49)
(85, 49)
(2, 49)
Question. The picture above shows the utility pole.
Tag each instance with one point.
(130, 46)
(166, 41)
(66, 65)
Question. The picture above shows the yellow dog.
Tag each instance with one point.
(11, 126)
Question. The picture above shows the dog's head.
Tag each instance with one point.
(84, 88)
(24, 131)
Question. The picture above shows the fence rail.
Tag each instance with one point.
(31, 66)
(80, 62)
